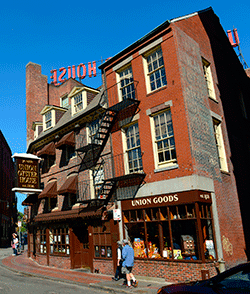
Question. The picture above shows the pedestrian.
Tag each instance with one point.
(118, 273)
(14, 243)
(128, 263)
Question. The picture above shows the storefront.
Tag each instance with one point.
(171, 229)
(74, 239)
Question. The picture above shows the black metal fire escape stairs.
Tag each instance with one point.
(90, 153)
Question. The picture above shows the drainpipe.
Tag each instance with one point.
(221, 261)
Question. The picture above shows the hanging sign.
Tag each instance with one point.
(117, 214)
(26, 173)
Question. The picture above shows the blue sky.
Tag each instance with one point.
(58, 34)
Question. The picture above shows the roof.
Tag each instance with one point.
(142, 40)
(67, 118)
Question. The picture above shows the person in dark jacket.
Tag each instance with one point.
(128, 263)
(118, 274)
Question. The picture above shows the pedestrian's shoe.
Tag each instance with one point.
(135, 284)
(115, 279)
(124, 283)
(129, 287)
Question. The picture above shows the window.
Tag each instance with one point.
(156, 70)
(50, 204)
(102, 240)
(126, 84)
(209, 79)
(133, 150)
(93, 129)
(171, 232)
(59, 241)
(164, 144)
(65, 102)
(48, 120)
(78, 103)
(220, 145)
(41, 240)
(47, 162)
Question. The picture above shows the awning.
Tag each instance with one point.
(49, 191)
(47, 150)
(68, 139)
(69, 214)
(30, 200)
(70, 185)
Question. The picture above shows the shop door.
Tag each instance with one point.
(80, 247)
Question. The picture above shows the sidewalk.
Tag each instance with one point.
(22, 264)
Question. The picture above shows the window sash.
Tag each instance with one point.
(156, 70)
(134, 156)
(78, 103)
(164, 137)
(127, 84)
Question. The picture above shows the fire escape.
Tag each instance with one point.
(108, 170)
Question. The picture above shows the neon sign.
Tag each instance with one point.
(79, 71)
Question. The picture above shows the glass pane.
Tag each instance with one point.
(153, 240)
(167, 252)
(136, 233)
(184, 240)
(208, 239)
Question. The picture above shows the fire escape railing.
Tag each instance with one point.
(108, 175)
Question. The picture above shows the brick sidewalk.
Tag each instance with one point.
(21, 263)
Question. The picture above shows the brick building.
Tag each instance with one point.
(158, 141)
(8, 207)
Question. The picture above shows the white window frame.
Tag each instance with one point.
(81, 104)
(62, 99)
(92, 129)
(51, 119)
(126, 150)
(127, 74)
(209, 79)
(220, 145)
(153, 72)
(172, 163)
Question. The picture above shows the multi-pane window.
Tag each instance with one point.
(156, 70)
(78, 103)
(93, 129)
(48, 119)
(41, 240)
(133, 151)
(171, 232)
(220, 145)
(102, 240)
(208, 78)
(59, 241)
(164, 137)
(65, 102)
(127, 84)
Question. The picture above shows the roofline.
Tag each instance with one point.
(135, 44)
(54, 131)
(149, 35)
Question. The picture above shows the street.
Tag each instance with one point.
(14, 282)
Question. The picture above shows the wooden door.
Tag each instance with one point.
(80, 255)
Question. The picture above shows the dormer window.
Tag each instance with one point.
(48, 120)
(51, 115)
(65, 101)
(37, 127)
(78, 103)
(80, 97)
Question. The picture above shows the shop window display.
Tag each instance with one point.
(171, 232)
(59, 241)
(102, 240)
(41, 240)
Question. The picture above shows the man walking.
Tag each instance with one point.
(128, 263)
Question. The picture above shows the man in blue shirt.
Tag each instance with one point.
(128, 263)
